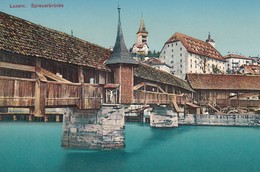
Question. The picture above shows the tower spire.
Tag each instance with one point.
(120, 53)
(142, 28)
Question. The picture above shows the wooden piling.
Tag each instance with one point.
(57, 118)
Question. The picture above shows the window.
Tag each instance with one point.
(181, 54)
(181, 49)
(172, 50)
(164, 52)
(176, 44)
(172, 56)
(180, 60)
(181, 65)
(168, 45)
(191, 65)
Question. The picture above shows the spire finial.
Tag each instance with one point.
(118, 8)
(209, 36)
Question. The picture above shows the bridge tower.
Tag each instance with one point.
(104, 128)
(122, 65)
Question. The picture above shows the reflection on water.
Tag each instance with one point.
(36, 147)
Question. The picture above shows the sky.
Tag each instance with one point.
(233, 24)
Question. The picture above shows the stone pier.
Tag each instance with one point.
(163, 117)
(94, 129)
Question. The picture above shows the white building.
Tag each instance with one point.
(234, 62)
(190, 55)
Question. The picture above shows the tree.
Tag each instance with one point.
(203, 63)
(216, 70)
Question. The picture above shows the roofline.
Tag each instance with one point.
(193, 52)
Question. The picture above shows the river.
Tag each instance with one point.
(36, 147)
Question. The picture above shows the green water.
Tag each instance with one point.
(36, 147)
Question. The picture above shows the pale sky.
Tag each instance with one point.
(234, 24)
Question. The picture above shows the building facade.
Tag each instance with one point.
(186, 54)
(235, 61)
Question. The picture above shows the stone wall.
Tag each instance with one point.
(91, 129)
(221, 120)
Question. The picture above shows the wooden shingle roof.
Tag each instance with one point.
(149, 73)
(26, 38)
(196, 46)
(223, 82)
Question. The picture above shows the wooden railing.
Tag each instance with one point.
(148, 97)
(62, 94)
(16, 92)
(238, 102)
(244, 103)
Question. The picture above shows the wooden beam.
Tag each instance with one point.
(41, 76)
(20, 67)
(80, 74)
(136, 87)
(53, 76)
(39, 106)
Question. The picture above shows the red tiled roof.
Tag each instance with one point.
(252, 69)
(223, 82)
(26, 38)
(153, 61)
(236, 56)
(196, 46)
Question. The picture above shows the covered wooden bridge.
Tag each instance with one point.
(42, 68)
(223, 93)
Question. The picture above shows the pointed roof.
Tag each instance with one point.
(196, 46)
(142, 28)
(120, 54)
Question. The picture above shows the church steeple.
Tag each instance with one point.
(142, 28)
(142, 33)
(120, 54)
